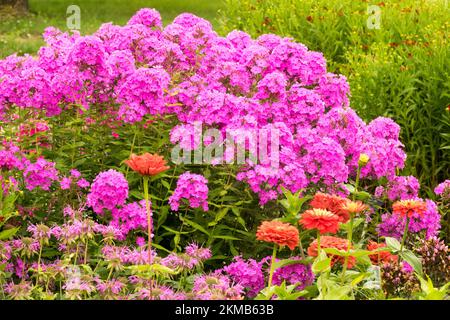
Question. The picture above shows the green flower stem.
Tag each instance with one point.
(318, 243)
(1, 286)
(76, 254)
(350, 225)
(272, 265)
(131, 149)
(149, 217)
(358, 174)
(149, 225)
(405, 234)
(349, 240)
(86, 251)
(1, 190)
(301, 248)
(110, 273)
(39, 262)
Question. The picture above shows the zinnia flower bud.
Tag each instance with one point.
(363, 159)
(147, 164)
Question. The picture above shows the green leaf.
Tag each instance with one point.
(393, 243)
(195, 225)
(321, 264)
(154, 268)
(413, 260)
(175, 231)
(238, 217)
(157, 246)
(339, 293)
(8, 233)
(356, 223)
(222, 213)
(225, 237)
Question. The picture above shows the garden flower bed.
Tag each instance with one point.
(151, 162)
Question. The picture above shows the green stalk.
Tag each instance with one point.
(39, 261)
(301, 248)
(318, 243)
(149, 217)
(405, 233)
(1, 286)
(350, 226)
(86, 251)
(110, 273)
(131, 150)
(149, 225)
(272, 265)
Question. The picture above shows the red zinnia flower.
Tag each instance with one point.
(278, 232)
(332, 242)
(407, 208)
(320, 219)
(380, 256)
(147, 164)
(331, 203)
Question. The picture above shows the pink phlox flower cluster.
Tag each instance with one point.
(130, 217)
(10, 157)
(187, 70)
(40, 174)
(399, 188)
(443, 189)
(147, 17)
(109, 190)
(74, 179)
(248, 273)
(193, 188)
(297, 273)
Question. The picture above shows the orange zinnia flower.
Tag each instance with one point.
(147, 164)
(320, 219)
(406, 208)
(331, 203)
(354, 207)
(283, 234)
(380, 256)
(332, 242)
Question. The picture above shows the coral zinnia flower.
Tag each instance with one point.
(406, 208)
(380, 256)
(331, 203)
(353, 207)
(147, 164)
(332, 242)
(320, 219)
(283, 234)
